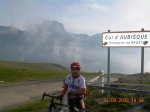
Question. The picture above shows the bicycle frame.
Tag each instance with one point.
(53, 105)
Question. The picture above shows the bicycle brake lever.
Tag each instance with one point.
(43, 96)
(60, 101)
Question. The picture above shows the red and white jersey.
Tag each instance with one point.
(77, 83)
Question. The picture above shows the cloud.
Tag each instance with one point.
(79, 16)
(98, 7)
(88, 17)
(115, 16)
(126, 14)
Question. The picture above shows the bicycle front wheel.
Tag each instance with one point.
(88, 110)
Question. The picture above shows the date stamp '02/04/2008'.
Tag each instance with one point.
(123, 100)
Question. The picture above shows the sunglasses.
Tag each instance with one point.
(75, 69)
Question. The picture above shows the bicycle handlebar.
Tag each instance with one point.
(52, 96)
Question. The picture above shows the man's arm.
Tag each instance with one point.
(64, 89)
(81, 91)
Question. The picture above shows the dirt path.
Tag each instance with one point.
(20, 93)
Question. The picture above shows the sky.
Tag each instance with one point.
(80, 16)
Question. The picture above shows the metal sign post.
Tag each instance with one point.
(142, 62)
(108, 70)
(142, 65)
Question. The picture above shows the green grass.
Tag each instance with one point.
(16, 75)
(32, 66)
(18, 71)
(113, 106)
(147, 102)
(38, 106)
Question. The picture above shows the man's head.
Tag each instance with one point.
(75, 68)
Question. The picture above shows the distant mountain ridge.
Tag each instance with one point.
(50, 42)
(46, 42)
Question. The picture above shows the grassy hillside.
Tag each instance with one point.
(18, 71)
(32, 66)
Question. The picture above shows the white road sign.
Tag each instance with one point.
(126, 39)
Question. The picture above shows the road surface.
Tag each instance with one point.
(20, 93)
(14, 94)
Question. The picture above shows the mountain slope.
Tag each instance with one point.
(46, 67)
(48, 42)
(18, 71)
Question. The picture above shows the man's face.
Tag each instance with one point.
(75, 72)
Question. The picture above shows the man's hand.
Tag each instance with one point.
(71, 93)
(60, 97)
(77, 92)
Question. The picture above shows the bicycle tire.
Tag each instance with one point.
(88, 110)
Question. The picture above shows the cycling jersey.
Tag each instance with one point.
(77, 83)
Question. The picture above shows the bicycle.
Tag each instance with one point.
(58, 107)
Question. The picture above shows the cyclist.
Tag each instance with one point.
(74, 85)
